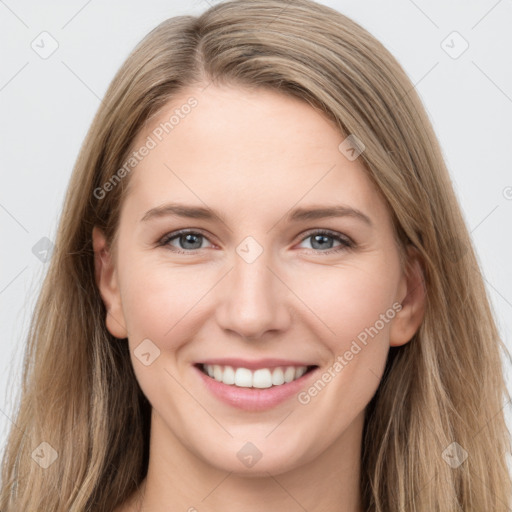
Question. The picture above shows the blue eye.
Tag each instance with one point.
(190, 241)
(319, 238)
(186, 238)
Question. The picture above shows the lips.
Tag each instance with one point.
(254, 385)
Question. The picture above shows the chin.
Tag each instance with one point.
(250, 459)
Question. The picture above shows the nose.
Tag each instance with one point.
(253, 299)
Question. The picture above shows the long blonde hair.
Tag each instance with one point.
(80, 402)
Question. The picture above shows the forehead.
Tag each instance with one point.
(240, 149)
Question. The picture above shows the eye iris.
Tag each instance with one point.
(188, 237)
(317, 238)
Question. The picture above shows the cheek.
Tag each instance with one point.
(349, 299)
(159, 301)
(356, 304)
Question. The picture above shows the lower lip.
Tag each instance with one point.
(254, 399)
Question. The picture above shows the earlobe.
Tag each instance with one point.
(412, 298)
(106, 280)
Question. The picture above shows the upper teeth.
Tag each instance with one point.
(261, 378)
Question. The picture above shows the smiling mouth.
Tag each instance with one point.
(261, 378)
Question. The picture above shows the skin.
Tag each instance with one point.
(253, 156)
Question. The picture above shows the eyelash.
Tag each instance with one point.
(346, 242)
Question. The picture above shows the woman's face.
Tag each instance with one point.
(257, 288)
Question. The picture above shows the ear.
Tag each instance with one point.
(106, 280)
(411, 296)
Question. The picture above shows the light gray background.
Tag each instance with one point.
(47, 105)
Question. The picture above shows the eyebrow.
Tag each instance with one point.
(298, 214)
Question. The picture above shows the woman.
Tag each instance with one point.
(249, 371)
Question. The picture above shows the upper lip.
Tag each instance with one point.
(254, 364)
